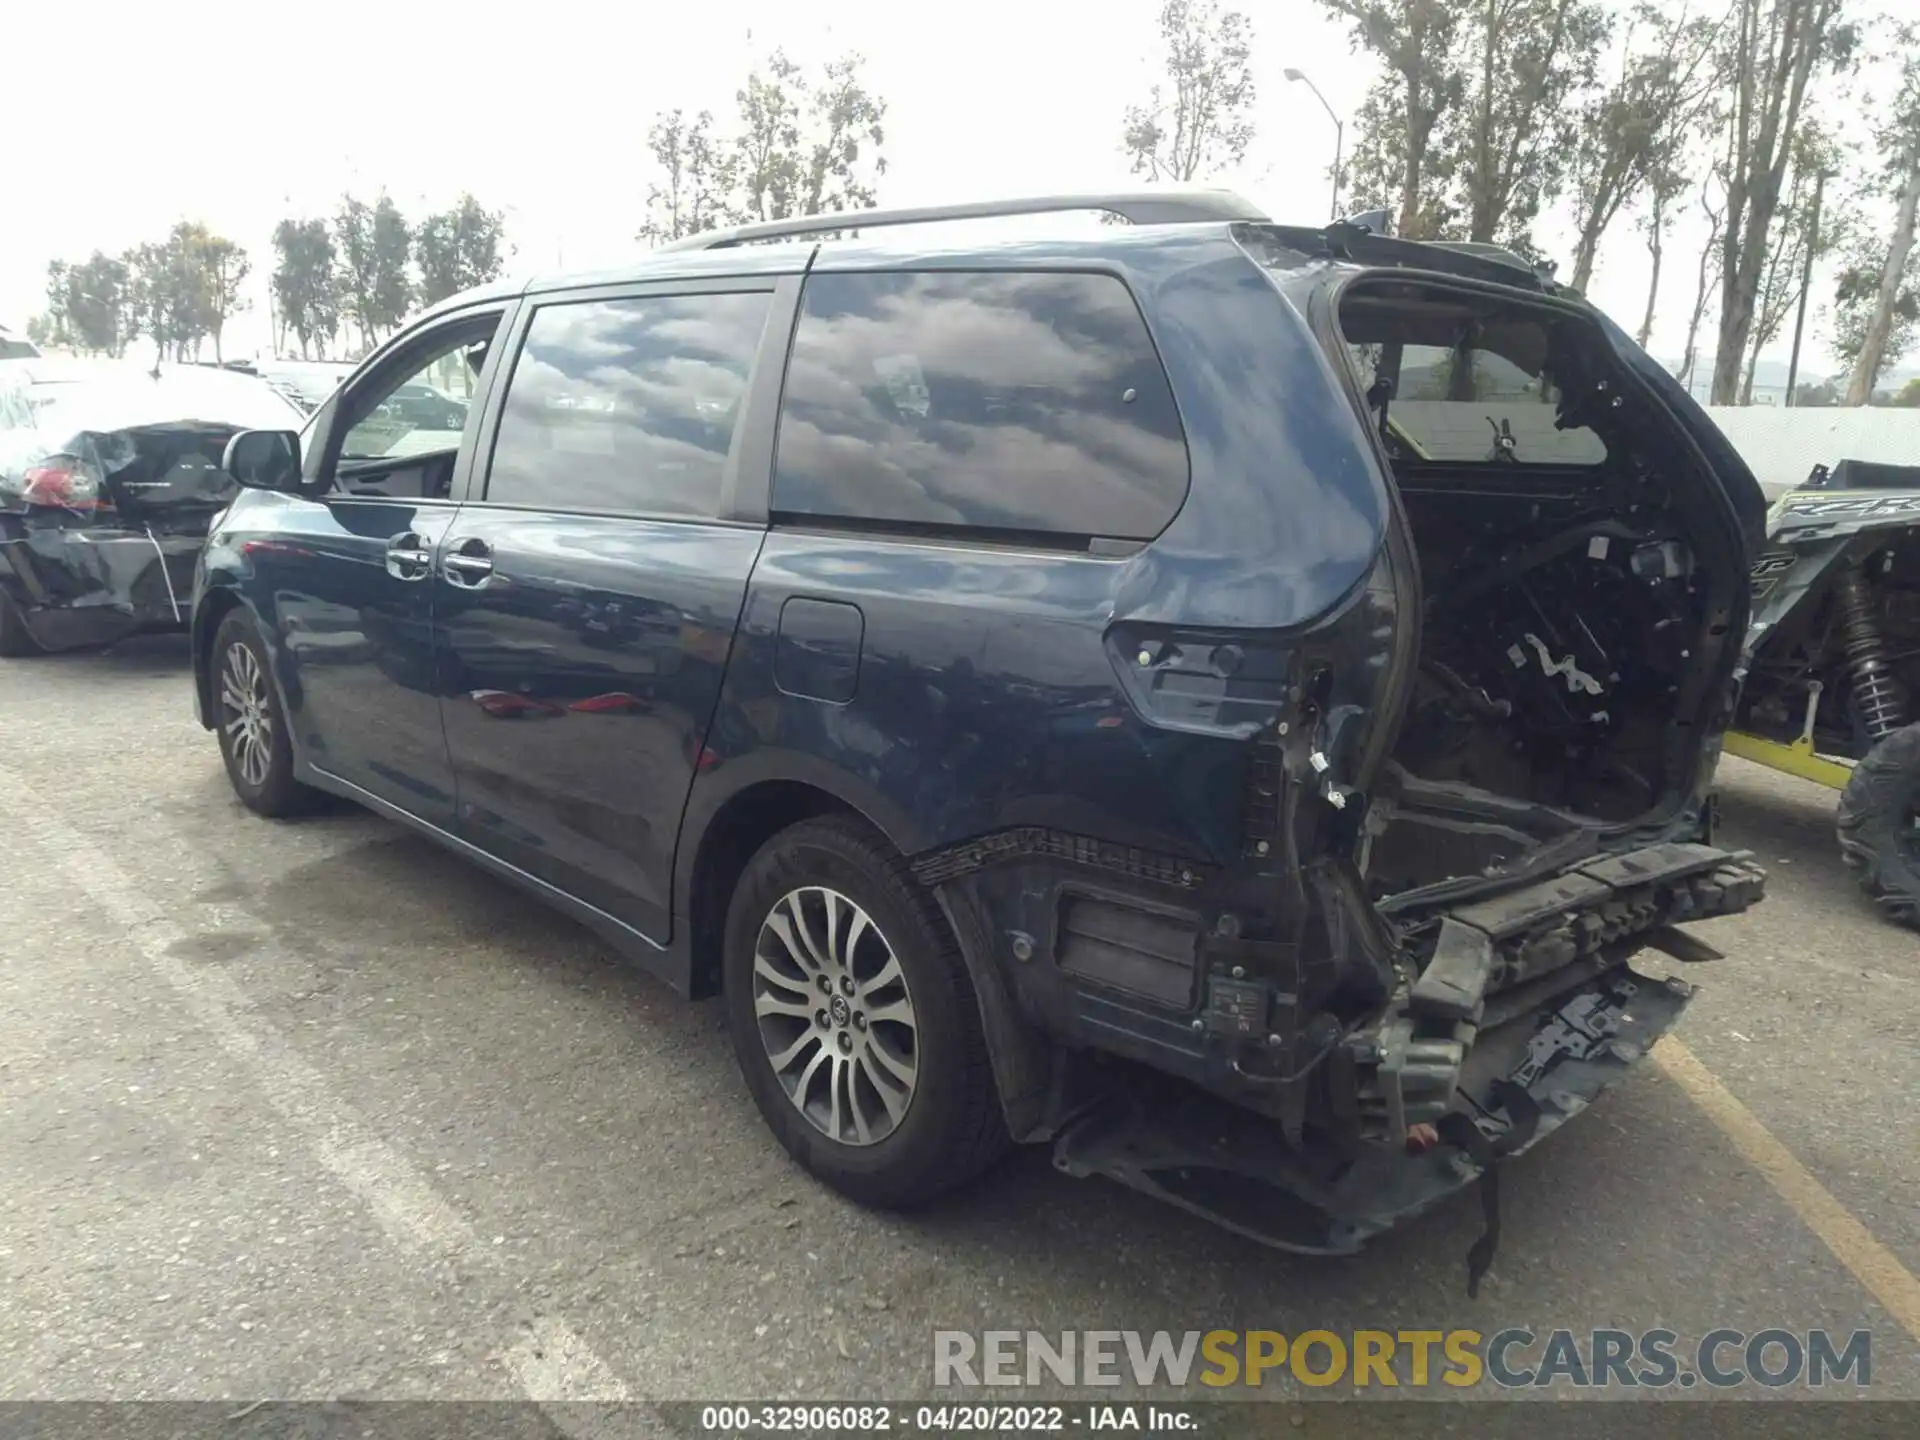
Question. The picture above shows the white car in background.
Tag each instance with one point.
(307, 383)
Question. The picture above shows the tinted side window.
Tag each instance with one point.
(1026, 402)
(626, 405)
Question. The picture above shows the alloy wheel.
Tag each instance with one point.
(835, 1016)
(247, 714)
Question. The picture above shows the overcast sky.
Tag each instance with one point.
(128, 118)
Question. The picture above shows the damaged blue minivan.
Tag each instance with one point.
(1224, 699)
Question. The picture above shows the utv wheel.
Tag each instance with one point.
(14, 639)
(854, 1020)
(1879, 824)
(251, 722)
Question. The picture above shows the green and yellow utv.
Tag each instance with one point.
(1833, 663)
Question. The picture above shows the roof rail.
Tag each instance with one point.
(1138, 207)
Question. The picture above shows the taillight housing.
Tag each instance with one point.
(62, 482)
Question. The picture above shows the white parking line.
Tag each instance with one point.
(553, 1363)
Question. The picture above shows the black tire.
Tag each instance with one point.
(14, 639)
(951, 1129)
(1877, 819)
(268, 789)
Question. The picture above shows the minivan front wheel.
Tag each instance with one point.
(251, 723)
(854, 1021)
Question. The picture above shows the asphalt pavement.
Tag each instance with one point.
(310, 1110)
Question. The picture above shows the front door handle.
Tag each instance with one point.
(468, 563)
(409, 556)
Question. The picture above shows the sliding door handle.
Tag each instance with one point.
(409, 557)
(467, 562)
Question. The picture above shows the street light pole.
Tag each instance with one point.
(1339, 134)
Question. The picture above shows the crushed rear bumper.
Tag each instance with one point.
(1234, 1167)
(1495, 960)
(1510, 1016)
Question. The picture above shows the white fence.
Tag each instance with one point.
(1782, 446)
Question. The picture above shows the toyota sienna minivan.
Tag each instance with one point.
(1227, 700)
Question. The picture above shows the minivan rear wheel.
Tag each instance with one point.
(853, 1018)
(251, 722)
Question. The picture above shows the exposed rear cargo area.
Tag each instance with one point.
(1579, 576)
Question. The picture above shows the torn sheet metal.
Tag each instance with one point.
(1226, 1165)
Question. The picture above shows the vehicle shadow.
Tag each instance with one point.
(1789, 824)
(141, 656)
(444, 940)
(1780, 817)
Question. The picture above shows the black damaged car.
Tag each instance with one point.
(109, 478)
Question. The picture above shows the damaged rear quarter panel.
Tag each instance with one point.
(1007, 736)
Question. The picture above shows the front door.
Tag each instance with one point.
(349, 573)
(587, 597)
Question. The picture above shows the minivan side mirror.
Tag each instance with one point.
(263, 459)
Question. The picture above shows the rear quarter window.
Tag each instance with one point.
(1018, 403)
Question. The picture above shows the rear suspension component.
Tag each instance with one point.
(1876, 691)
